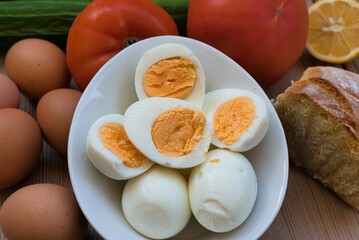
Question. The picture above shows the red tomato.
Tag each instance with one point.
(105, 27)
(265, 37)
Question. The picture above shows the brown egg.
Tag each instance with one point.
(42, 211)
(37, 66)
(9, 93)
(54, 114)
(20, 145)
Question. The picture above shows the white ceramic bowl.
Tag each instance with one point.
(112, 90)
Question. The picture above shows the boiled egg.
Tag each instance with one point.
(239, 118)
(156, 203)
(170, 70)
(169, 131)
(110, 150)
(222, 190)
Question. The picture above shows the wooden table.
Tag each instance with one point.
(309, 210)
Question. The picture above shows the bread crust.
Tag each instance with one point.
(335, 90)
(320, 117)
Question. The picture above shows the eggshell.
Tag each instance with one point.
(9, 93)
(54, 114)
(42, 211)
(20, 145)
(37, 66)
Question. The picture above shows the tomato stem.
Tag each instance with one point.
(129, 41)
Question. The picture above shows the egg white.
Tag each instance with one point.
(104, 159)
(222, 190)
(258, 128)
(138, 121)
(156, 203)
(165, 51)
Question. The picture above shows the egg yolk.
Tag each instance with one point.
(232, 119)
(178, 131)
(216, 160)
(114, 138)
(172, 77)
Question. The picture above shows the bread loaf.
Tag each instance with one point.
(320, 117)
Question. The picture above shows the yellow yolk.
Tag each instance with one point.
(216, 160)
(232, 119)
(114, 138)
(171, 77)
(177, 132)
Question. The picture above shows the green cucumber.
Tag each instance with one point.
(178, 10)
(51, 19)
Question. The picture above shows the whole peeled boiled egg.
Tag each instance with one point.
(169, 131)
(110, 150)
(156, 203)
(239, 118)
(222, 190)
(170, 70)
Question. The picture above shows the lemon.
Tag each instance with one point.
(333, 34)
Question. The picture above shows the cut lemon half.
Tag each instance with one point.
(333, 34)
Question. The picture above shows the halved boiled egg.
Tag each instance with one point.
(169, 131)
(170, 70)
(110, 150)
(239, 118)
(222, 190)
